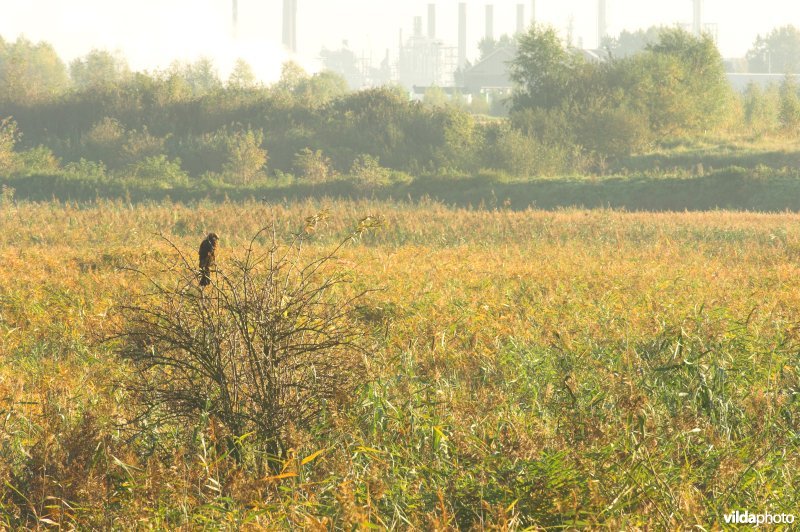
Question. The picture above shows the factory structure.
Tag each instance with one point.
(423, 60)
(289, 25)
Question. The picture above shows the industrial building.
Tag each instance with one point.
(424, 60)
(290, 25)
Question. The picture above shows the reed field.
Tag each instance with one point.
(522, 369)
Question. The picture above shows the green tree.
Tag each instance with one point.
(201, 76)
(454, 139)
(292, 75)
(543, 70)
(31, 73)
(789, 114)
(246, 158)
(435, 97)
(374, 122)
(242, 76)
(689, 90)
(761, 108)
(321, 88)
(631, 43)
(98, 70)
(778, 51)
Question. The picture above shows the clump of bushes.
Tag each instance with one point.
(159, 169)
(312, 166)
(368, 170)
(234, 154)
(89, 170)
(9, 134)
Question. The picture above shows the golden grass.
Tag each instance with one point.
(553, 369)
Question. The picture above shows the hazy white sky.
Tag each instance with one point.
(153, 33)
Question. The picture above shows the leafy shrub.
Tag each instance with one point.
(789, 113)
(369, 171)
(524, 155)
(159, 169)
(104, 142)
(400, 178)
(139, 145)
(236, 153)
(761, 108)
(553, 126)
(38, 160)
(203, 153)
(246, 159)
(83, 169)
(615, 133)
(313, 166)
(9, 135)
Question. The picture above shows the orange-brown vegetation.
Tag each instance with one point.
(552, 369)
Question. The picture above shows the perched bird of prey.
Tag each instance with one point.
(208, 250)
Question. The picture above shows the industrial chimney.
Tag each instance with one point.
(520, 18)
(462, 34)
(431, 21)
(533, 11)
(235, 15)
(601, 22)
(417, 27)
(489, 22)
(290, 24)
(697, 21)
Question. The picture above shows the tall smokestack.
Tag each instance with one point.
(520, 18)
(533, 11)
(697, 21)
(290, 24)
(235, 14)
(431, 21)
(417, 26)
(462, 34)
(489, 22)
(601, 22)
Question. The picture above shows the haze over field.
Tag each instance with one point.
(153, 33)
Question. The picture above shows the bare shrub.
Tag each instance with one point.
(267, 348)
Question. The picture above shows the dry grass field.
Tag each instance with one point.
(524, 369)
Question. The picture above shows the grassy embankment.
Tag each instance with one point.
(529, 368)
(754, 175)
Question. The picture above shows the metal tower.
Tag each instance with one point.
(290, 24)
(697, 20)
(602, 20)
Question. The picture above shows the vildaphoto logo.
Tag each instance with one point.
(748, 518)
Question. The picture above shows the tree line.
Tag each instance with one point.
(96, 119)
